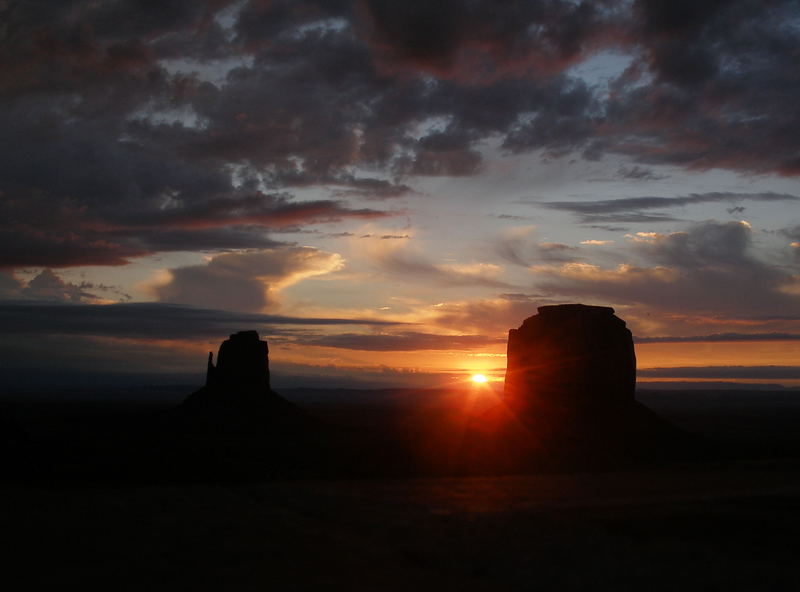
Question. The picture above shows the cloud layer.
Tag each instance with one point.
(248, 281)
(725, 372)
(709, 268)
(148, 320)
(630, 209)
(131, 129)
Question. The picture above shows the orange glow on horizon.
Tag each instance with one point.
(479, 378)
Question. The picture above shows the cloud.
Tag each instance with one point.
(404, 341)
(710, 84)
(47, 286)
(600, 220)
(369, 188)
(608, 228)
(116, 145)
(476, 41)
(491, 316)
(110, 137)
(247, 281)
(793, 234)
(727, 372)
(597, 243)
(148, 320)
(511, 217)
(517, 246)
(637, 173)
(59, 211)
(703, 78)
(706, 268)
(630, 209)
(235, 236)
(722, 337)
(404, 260)
(265, 210)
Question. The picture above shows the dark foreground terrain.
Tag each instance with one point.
(725, 521)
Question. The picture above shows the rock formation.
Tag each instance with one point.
(237, 394)
(242, 361)
(570, 357)
(569, 398)
(237, 425)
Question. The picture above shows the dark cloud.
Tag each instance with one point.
(76, 195)
(630, 209)
(722, 88)
(511, 217)
(445, 163)
(729, 372)
(259, 23)
(555, 251)
(668, 18)
(722, 337)
(601, 220)
(91, 175)
(608, 228)
(147, 320)
(48, 286)
(637, 173)
(257, 209)
(110, 139)
(474, 40)
(369, 188)
(205, 239)
(425, 33)
(47, 361)
(36, 233)
(406, 341)
(792, 234)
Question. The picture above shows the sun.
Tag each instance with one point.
(479, 378)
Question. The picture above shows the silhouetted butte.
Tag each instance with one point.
(570, 358)
(571, 377)
(238, 400)
(242, 362)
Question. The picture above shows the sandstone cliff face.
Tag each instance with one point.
(570, 357)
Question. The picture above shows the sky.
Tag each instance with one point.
(383, 189)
